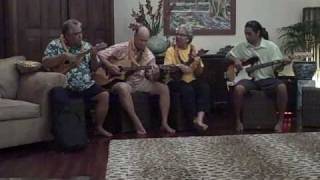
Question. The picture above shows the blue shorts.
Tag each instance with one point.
(64, 96)
(87, 94)
(268, 85)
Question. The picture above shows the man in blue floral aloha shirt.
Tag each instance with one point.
(68, 49)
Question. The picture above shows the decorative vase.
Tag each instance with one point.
(304, 70)
(158, 44)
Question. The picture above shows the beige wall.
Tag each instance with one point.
(272, 14)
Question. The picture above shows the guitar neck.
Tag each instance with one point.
(137, 68)
(260, 66)
(169, 67)
(296, 55)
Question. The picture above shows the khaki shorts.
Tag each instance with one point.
(143, 86)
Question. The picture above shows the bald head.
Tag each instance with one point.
(142, 31)
(141, 37)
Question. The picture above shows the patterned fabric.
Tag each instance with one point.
(173, 56)
(267, 51)
(126, 54)
(28, 66)
(260, 156)
(78, 78)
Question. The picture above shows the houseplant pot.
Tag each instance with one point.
(158, 44)
(151, 17)
(304, 70)
(303, 37)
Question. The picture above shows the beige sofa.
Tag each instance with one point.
(24, 116)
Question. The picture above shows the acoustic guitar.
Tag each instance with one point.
(124, 73)
(104, 77)
(66, 65)
(250, 66)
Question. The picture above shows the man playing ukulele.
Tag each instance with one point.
(67, 53)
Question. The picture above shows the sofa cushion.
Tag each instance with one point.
(9, 77)
(14, 110)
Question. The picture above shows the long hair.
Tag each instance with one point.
(257, 27)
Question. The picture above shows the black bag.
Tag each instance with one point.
(69, 125)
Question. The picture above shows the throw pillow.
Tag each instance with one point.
(28, 66)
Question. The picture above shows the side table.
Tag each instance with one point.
(301, 84)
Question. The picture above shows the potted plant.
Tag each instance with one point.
(153, 21)
(302, 36)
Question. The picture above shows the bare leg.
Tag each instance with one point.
(282, 99)
(163, 91)
(198, 121)
(124, 92)
(102, 108)
(238, 94)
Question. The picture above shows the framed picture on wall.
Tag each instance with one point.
(205, 17)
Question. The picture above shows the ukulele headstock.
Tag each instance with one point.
(202, 52)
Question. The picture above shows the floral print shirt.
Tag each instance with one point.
(78, 78)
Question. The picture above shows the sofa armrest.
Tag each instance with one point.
(35, 88)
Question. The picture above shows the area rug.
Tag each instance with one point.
(260, 156)
(72, 178)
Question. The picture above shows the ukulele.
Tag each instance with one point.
(176, 73)
(66, 65)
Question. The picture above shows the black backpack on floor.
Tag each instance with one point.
(69, 125)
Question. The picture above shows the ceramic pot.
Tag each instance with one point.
(304, 70)
(158, 44)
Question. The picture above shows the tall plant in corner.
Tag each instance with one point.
(150, 19)
(302, 36)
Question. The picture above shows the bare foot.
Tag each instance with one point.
(102, 132)
(278, 127)
(200, 125)
(167, 128)
(239, 127)
(141, 131)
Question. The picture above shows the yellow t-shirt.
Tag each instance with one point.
(172, 57)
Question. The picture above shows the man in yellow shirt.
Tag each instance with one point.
(263, 79)
(195, 94)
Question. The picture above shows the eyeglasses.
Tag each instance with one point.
(182, 36)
